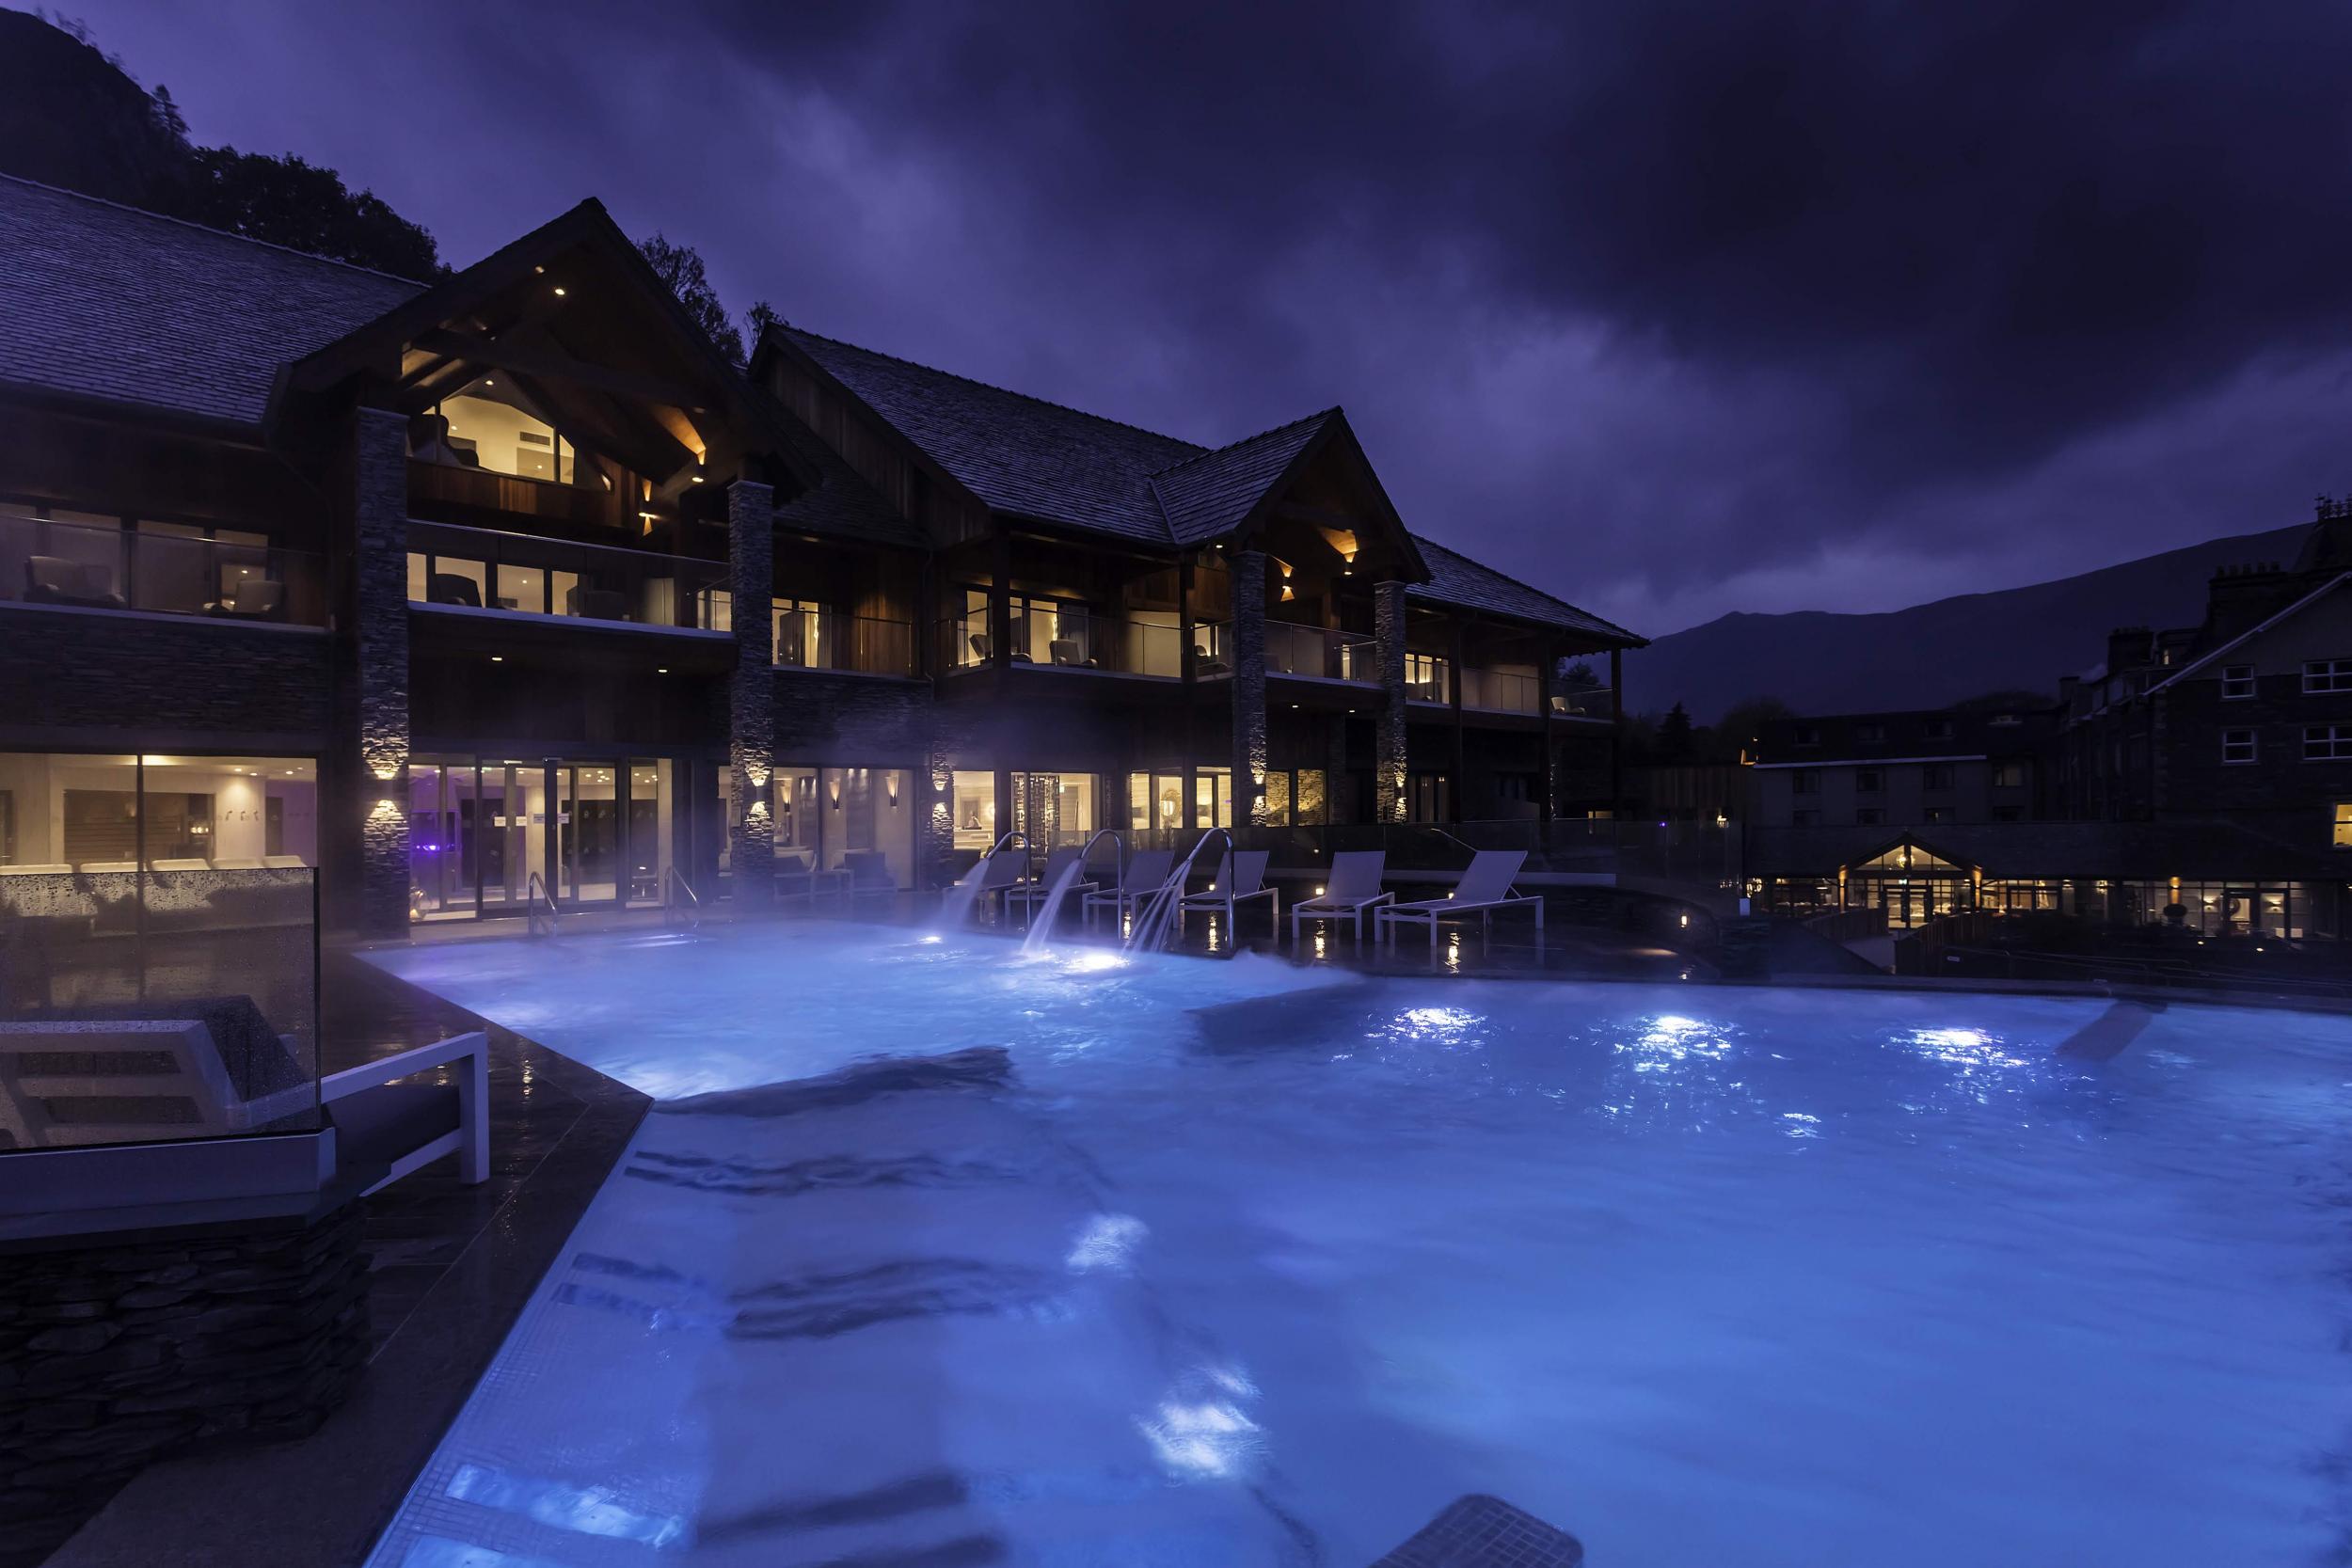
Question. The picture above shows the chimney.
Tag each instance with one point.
(2128, 648)
(2241, 597)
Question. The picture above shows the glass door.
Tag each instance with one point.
(587, 823)
(651, 836)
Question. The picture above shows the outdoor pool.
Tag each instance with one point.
(1242, 1264)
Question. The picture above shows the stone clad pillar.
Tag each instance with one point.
(752, 692)
(1249, 687)
(379, 474)
(1387, 763)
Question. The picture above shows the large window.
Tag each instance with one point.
(2328, 674)
(89, 813)
(1296, 798)
(974, 805)
(100, 561)
(491, 425)
(1052, 808)
(2327, 743)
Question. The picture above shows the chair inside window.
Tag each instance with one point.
(55, 580)
(453, 588)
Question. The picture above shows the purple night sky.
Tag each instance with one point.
(1670, 308)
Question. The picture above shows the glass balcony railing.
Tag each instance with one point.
(474, 568)
(818, 639)
(1069, 637)
(1502, 691)
(1583, 702)
(1319, 654)
(168, 568)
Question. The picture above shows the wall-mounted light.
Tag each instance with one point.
(890, 786)
(833, 791)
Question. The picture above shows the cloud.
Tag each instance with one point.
(1668, 308)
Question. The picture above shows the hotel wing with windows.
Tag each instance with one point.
(508, 592)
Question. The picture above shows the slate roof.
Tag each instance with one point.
(1032, 458)
(2199, 851)
(1457, 582)
(103, 301)
(1018, 455)
(1208, 496)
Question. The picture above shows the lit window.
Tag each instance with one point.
(2328, 674)
(2327, 743)
(2238, 746)
(2237, 682)
(2344, 825)
(488, 426)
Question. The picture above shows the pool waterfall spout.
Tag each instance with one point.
(1155, 919)
(955, 906)
(1041, 936)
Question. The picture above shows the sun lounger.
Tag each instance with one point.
(1353, 888)
(1484, 888)
(1145, 875)
(1238, 883)
(384, 1129)
(1028, 895)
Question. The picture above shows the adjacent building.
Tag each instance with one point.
(507, 592)
(1934, 768)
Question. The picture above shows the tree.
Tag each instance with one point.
(303, 207)
(1673, 735)
(1742, 724)
(1578, 676)
(758, 320)
(681, 271)
(72, 117)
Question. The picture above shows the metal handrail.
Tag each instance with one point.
(1151, 923)
(693, 904)
(536, 893)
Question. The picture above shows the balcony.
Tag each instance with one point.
(1584, 702)
(163, 568)
(1066, 637)
(1314, 653)
(809, 638)
(519, 574)
(1502, 691)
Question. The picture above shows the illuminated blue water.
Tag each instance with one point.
(1703, 1275)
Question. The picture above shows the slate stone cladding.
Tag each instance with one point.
(1249, 686)
(1388, 766)
(87, 677)
(751, 696)
(380, 624)
(116, 1354)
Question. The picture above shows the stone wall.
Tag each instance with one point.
(84, 678)
(751, 690)
(379, 470)
(116, 1354)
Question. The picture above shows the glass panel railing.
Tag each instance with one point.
(1583, 702)
(1067, 638)
(211, 977)
(93, 567)
(474, 568)
(1079, 639)
(965, 642)
(820, 640)
(1319, 653)
(1502, 691)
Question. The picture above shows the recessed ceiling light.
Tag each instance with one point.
(497, 658)
(559, 294)
(663, 671)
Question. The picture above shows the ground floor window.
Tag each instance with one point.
(974, 806)
(1053, 809)
(2344, 825)
(62, 811)
(1296, 798)
(494, 836)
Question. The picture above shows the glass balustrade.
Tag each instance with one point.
(166, 568)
